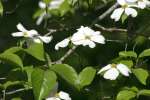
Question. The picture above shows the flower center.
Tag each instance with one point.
(87, 37)
(124, 6)
(25, 34)
(113, 65)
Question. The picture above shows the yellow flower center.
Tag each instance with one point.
(124, 6)
(25, 34)
(113, 65)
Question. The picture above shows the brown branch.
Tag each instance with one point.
(68, 53)
(107, 12)
(110, 29)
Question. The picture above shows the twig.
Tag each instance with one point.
(16, 91)
(110, 29)
(68, 53)
(105, 14)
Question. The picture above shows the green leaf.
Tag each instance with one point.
(42, 82)
(86, 76)
(145, 53)
(126, 95)
(67, 73)
(1, 8)
(64, 8)
(129, 63)
(37, 51)
(13, 50)
(141, 75)
(38, 13)
(143, 92)
(128, 54)
(123, 18)
(11, 58)
(47, 1)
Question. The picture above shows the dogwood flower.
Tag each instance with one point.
(111, 71)
(141, 3)
(55, 4)
(62, 44)
(126, 8)
(60, 96)
(86, 36)
(32, 34)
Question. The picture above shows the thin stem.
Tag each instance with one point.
(4, 95)
(110, 29)
(68, 53)
(107, 12)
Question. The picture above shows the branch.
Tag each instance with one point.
(110, 29)
(68, 53)
(107, 12)
(16, 91)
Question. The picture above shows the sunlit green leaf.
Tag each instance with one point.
(141, 75)
(126, 95)
(145, 53)
(43, 82)
(128, 54)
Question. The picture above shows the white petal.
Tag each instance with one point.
(77, 38)
(46, 39)
(132, 1)
(42, 5)
(111, 74)
(37, 40)
(62, 44)
(64, 95)
(141, 4)
(123, 69)
(53, 98)
(18, 34)
(98, 39)
(121, 2)
(21, 28)
(32, 33)
(131, 11)
(117, 14)
(40, 19)
(104, 68)
(55, 4)
(91, 44)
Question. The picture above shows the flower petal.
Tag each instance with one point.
(141, 4)
(42, 5)
(121, 2)
(111, 74)
(131, 11)
(98, 39)
(37, 40)
(40, 18)
(53, 98)
(46, 39)
(104, 68)
(21, 28)
(32, 33)
(123, 69)
(117, 14)
(62, 44)
(18, 34)
(64, 95)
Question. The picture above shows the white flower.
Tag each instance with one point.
(125, 8)
(141, 3)
(112, 71)
(55, 4)
(32, 34)
(60, 96)
(42, 5)
(62, 44)
(86, 36)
